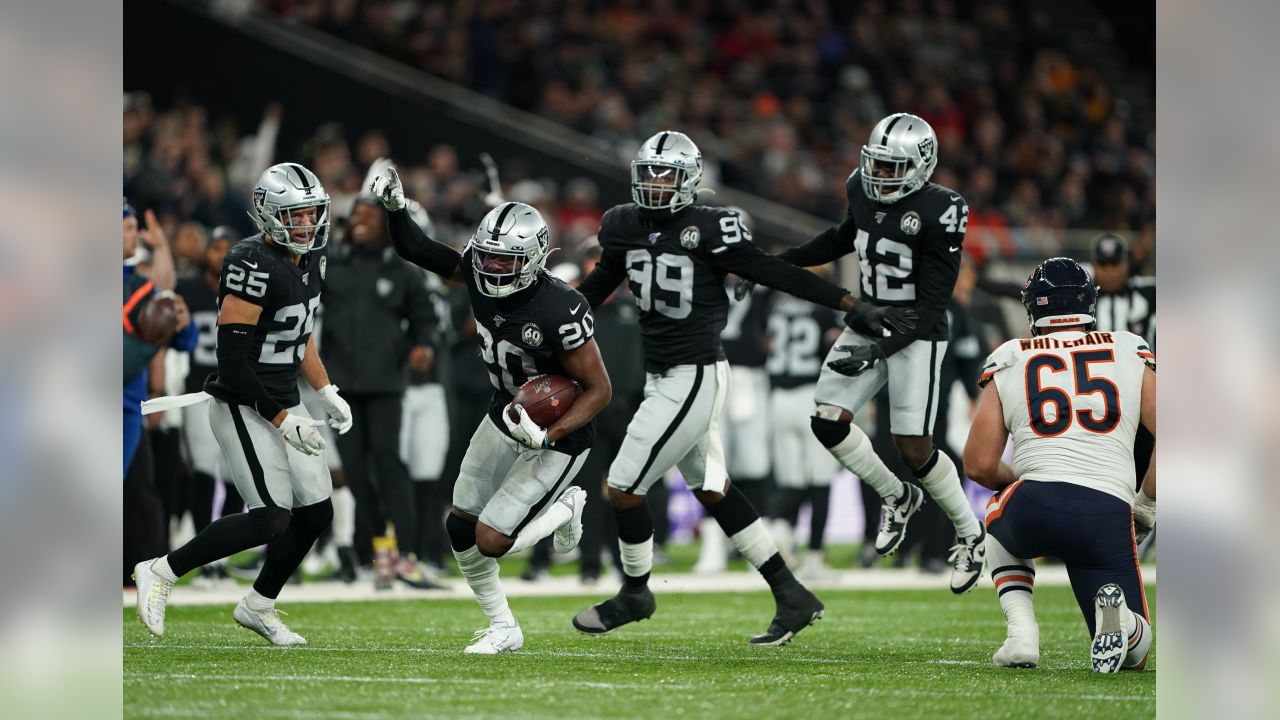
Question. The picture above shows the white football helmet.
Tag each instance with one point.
(509, 249)
(282, 202)
(899, 158)
(666, 172)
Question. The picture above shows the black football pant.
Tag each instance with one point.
(378, 479)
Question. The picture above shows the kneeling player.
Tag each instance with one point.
(528, 323)
(1072, 398)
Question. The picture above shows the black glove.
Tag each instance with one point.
(861, 359)
(742, 288)
(882, 319)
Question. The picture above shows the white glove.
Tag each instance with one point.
(1144, 516)
(524, 430)
(301, 433)
(383, 180)
(336, 408)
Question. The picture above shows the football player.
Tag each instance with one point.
(514, 486)
(675, 254)
(1072, 398)
(908, 234)
(268, 293)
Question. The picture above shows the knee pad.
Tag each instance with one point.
(829, 432)
(272, 522)
(462, 533)
(314, 518)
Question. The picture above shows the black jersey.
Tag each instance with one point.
(264, 274)
(675, 264)
(202, 302)
(800, 334)
(744, 328)
(523, 335)
(909, 251)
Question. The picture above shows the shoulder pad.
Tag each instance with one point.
(1004, 356)
(1140, 347)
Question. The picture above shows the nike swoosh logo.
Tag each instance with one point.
(955, 199)
(252, 265)
(955, 249)
(574, 311)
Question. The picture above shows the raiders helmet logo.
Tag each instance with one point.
(925, 147)
(689, 237)
(259, 196)
(910, 222)
(531, 334)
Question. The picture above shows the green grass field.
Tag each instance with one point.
(905, 654)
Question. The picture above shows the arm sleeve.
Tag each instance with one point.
(414, 245)
(754, 264)
(604, 279)
(829, 246)
(420, 311)
(235, 341)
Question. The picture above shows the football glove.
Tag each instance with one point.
(742, 288)
(883, 320)
(301, 433)
(1144, 516)
(336, 408)
(861, 359)
(383, 180)
(524, 429)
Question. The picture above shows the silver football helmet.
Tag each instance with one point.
(666, 172)
(291, 208)
(899, 158)
(509, 249)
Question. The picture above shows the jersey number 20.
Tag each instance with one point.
(1057, 422)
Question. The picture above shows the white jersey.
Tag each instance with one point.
(1072, 402)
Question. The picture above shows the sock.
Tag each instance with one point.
(555, 516)
(161, 567)
(258, 601)
(635, 543)
(227, 536)
(941, 480)
(344, 517)
(1140, 636)
(1014, 579)
(285, 554)
(202, 493)
(819, 507)
(855, 453)
(747, 532)
(783, 536)
(482, 576)
(712, 553)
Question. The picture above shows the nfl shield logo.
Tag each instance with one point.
(879, 217)
(498, 320)
(653, 237)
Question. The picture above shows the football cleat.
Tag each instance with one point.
(1109, 642)
(627, 606)
(1017, 653)
(566, 536)
(967, 558)
(797, 609)
(497, 638)
(266, 623)
(153, 595)
(894, 517)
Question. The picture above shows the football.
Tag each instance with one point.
(546, 397)
(158, 320)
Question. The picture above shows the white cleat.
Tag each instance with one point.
(497, 638)
(1110, 644)
(266, 623)
(968, 556)
(566, 536)
(894, 516)
(1017, 653)
(153, 595)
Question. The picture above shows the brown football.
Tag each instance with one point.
(158, 320)
(546, 397)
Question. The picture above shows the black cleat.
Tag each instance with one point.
(797, 609)
(625, 607)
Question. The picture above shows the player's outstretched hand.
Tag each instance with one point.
(861, 359)
(336, 408)
(883, 320)
(742, 288)
(523, 428)
(301, 433)
(384, 181)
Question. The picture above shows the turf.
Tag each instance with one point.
(876, 654)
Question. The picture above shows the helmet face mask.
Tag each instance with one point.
(1060, 293)
(666, 172)
(509, 249)
(291, 208)
(898, 159)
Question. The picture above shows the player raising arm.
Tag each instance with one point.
(1072, 398)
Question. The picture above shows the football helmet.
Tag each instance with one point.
(666, 172)
(1060, 292)
(509, 249)
(282, 203)
(898, 158)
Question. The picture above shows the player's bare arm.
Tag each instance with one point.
(604, 279)
(985, 446)
(312, 367)
(585, 365)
